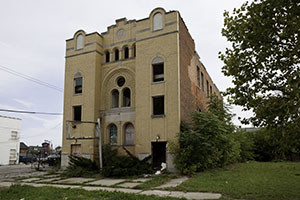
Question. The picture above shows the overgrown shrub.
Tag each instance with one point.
(120, 165)
(80, 167)
(211, 140)
(273, 144)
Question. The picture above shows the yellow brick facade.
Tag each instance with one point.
(159, 38)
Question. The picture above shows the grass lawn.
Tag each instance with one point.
(49, 193)
(253, 180)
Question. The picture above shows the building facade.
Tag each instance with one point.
(141, 78)
(9, 140)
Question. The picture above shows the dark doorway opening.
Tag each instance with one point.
(158, 154)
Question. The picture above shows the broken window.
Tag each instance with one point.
(126, 97)
(198, 76)
(120, 81)
(115, 99)
(107, 56)
(129, 134)
(78, 83)
(116, 54)
(77, 113)
(158, 69)
(113, 134)
(158, 105)
(126, 52)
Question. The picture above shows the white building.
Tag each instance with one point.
(9, 140)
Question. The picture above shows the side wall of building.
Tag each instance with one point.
(10, 129)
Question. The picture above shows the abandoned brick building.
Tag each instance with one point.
(141, 78)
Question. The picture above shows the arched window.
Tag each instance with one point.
(78, 83)
(115, 99)
(116, 54)
(79, 42)
(126, 97)
(113, 134)
(158, 69)
(157, 21)
(107, 56)
(126, 52)
(129, 134)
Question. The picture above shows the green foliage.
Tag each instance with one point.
(118, 165)
(209, 144)
(276, 144)
(264, 60)
(80, 167)
(246, 144)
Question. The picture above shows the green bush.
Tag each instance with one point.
(273, 144)
(208, 144)
(118, 165)
(246, 144)
(80, 167)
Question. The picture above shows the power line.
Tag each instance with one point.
(29, 78)
(29, 112)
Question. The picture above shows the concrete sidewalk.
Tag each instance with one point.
(161, 193)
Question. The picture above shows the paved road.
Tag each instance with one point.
(14, 171)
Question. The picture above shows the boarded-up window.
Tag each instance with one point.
(115, 99)
(157, 21)
(129, 134)
(76, 149)
(79, 42)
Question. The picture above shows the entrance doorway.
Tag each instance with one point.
(158, 154)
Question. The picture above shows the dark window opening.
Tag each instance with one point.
(126, 53)
(210, 90)
(126, 97)
(107, 56)
(120, 81)
(116, 54)
(77, 113)
(158, 105)
(202, 81)
(78, 85)
(207, 89)
(198, 76)
(158, 72)
(115, 99)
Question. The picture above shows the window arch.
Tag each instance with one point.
(79, 42)
(78, 83)
(107, 56)
(113, 134)
(129, 134)
(157, 21)
(126, 52)
(116, 54)
(158, 69)
(115, 99)
(126, 97)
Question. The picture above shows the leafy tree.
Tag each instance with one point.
(264, 61)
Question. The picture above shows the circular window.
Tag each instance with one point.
(121, 81)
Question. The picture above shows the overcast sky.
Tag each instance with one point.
(32, 42)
